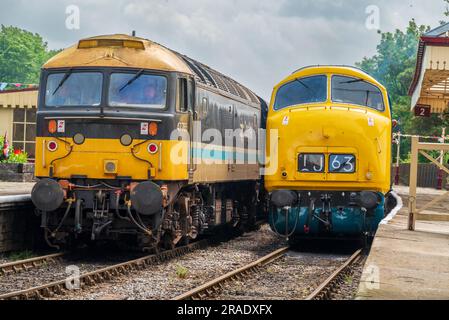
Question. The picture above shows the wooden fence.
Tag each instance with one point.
(427, 175)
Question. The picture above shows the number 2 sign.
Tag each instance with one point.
(423, 111)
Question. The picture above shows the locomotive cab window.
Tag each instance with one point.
(185, 95)
(138, 90)
(302, 91)
(74, 89)
(357, 91)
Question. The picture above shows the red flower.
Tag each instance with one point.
(17, 152)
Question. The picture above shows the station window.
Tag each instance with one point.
(24, 130)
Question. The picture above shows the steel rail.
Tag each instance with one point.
(324, 291)
(217, 284)
(99, 276)
(24, 265)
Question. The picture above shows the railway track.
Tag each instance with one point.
(327, 288)
(214, 287)
(50, 290)
(24, 265)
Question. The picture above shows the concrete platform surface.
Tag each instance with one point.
(407, 265)
(15, 188)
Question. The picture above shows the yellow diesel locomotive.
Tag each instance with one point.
(117, 147)
(333, 153)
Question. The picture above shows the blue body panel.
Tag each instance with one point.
(352, 221)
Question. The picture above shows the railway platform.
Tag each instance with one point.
(15, 188)
(410, 265)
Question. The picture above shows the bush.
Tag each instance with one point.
(14, 156)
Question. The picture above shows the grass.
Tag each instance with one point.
(349, 279)
(21, 255)
(182, 272)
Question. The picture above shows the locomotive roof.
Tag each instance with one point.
(125, 51)
(329, 69)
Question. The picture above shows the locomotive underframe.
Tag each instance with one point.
(328, 214)
(190, 211)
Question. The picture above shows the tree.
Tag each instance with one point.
(22, 54)
(394, 66)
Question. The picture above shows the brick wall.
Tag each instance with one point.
(17, 172)
(18, 225)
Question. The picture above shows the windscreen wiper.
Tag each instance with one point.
(63, 80)
(302, 82)
(130, 82)
(352, 81)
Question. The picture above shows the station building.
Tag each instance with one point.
(430, 86)
(18, 118)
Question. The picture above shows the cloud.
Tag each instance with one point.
(257, 42)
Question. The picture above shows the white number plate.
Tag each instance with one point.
(342, 163)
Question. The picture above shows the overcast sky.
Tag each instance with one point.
(257, 42)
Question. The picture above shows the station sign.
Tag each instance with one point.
(422, 110)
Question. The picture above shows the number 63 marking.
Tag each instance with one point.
(342, 163)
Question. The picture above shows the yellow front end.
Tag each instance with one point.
(108, 159)
(330, 128)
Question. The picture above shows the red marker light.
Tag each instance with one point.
(52, 146)
(153, 148)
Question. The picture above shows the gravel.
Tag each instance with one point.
(347, 290)
(292, 277)
(56, 271)
(166, 280)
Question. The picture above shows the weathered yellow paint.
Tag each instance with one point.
(331, 128)
(154, 57)
(88, 159)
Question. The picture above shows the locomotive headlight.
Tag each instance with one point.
(52, 126)
(79, 138)
(111, 166)
(152, 129)
(369, 175)
(126, 140)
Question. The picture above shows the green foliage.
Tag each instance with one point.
(22, 55)
(22, 255)
(394, 66)
(394, 63)
(22, 157)
(182, 272)
(17, 156)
